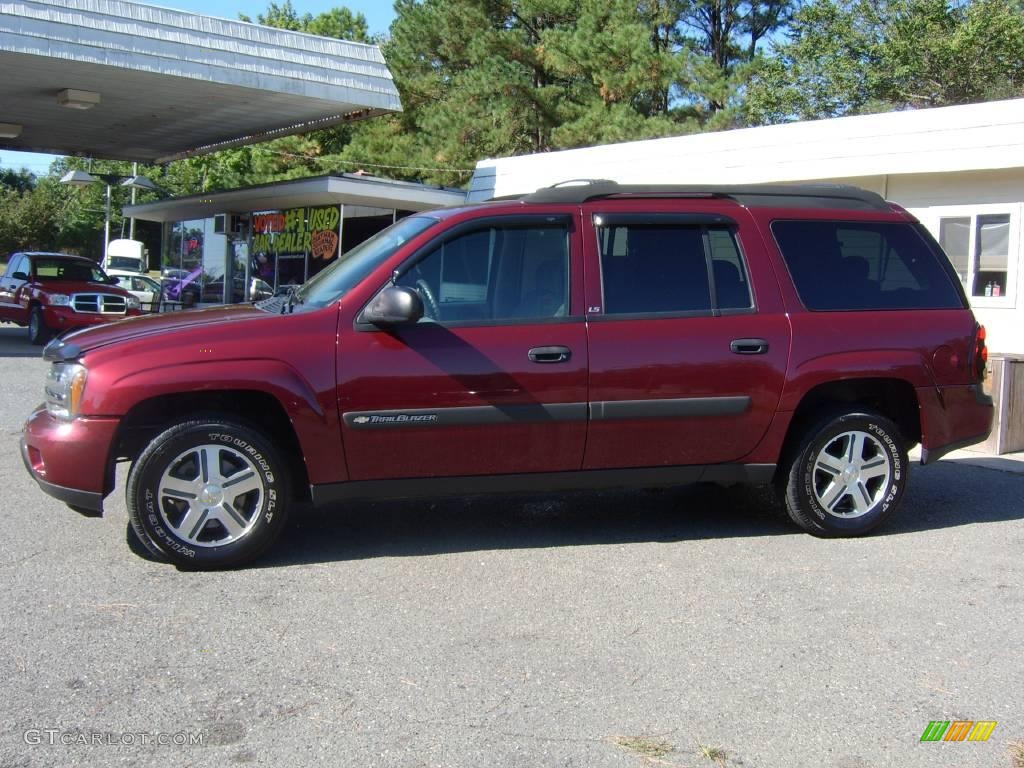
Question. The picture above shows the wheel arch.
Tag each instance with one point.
(894, 398)
(255, 408)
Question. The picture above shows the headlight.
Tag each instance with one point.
(59, 300)
(134, 302)
(65, 385)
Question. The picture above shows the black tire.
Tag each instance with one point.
(38, 332)
(830, 491)
(203, 462)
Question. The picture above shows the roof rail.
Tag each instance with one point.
(836, 196)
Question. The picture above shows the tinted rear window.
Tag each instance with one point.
(843, 265)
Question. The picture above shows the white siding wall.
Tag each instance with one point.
(934, 196)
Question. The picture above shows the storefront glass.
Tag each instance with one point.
(288, 247)
(279, 249)
(361, 222)
(192, 268)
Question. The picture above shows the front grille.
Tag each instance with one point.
(103, 303)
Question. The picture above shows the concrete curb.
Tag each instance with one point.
(1009, 462)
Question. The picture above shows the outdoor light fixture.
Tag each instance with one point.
(84, 179)
(140, 182)
(75, 99)
(9, 131)
(78, 178)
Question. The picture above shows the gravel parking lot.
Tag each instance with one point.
(684, 628)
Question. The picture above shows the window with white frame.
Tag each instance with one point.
(981, 245)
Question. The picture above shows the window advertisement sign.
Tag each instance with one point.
(288, 247)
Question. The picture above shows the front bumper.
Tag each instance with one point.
(69, 460)
(66, 319)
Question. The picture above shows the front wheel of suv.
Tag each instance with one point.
(208, 493)
(848, 475)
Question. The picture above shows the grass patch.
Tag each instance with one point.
(644, 746)
(715, 754)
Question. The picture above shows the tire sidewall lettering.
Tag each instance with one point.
(892, 452)
(148, 503)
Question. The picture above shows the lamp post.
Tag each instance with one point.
(84, 179)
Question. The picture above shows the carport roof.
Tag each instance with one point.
(173, 84)
(319, 190)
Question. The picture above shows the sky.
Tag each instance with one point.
(378, 13)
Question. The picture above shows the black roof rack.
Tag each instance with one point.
(834, 196)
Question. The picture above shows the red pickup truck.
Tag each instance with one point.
(56, 292)
(585, 336)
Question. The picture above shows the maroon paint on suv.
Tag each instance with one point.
(56, 292)
(583, 336)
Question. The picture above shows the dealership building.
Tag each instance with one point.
(283, 233)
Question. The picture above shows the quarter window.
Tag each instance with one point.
(839, 265)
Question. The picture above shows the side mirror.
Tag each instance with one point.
(19, 276)
(395, 305)
(111, 280)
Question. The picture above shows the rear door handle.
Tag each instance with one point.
(749, 346)
(549, 354)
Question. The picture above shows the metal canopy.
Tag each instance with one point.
(171, 84)
(320, 190)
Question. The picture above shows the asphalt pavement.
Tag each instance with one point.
(691, 627)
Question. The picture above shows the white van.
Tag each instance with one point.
(126, 256)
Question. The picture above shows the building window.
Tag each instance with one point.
(979, 246)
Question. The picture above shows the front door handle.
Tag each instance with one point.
(749, 346)
(549, 354)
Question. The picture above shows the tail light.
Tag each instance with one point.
(980, 353)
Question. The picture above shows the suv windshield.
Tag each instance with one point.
(68, 270)
(352, 267)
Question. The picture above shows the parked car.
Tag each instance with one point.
(213, 291)
(147, 290)
(584, 336)
(55, 292)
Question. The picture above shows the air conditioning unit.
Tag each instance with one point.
(229, 224)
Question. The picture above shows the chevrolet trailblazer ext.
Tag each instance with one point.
(587, 335)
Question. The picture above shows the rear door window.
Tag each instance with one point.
(657, 267)
(842, 265)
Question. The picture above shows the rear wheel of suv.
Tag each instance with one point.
(38, 332)
(208, 493)
(848, 475)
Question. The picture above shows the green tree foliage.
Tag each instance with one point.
(857, 56)
(720, 41)
(483, 78)
(34, 213)
(338, 22)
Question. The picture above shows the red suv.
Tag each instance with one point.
(55, 292)
(587, 335)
